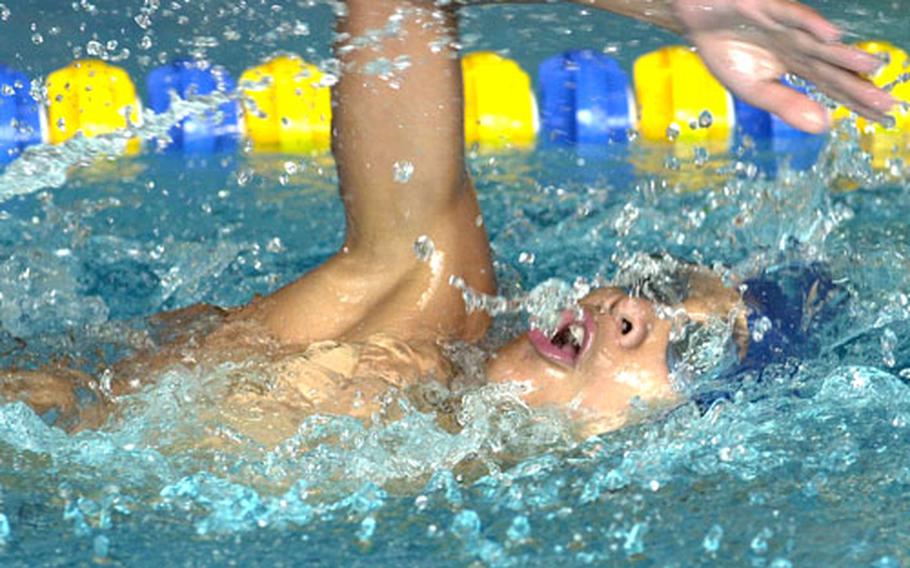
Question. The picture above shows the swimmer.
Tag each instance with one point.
(375, 316)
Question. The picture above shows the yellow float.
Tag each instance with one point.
(500, 108)
(91, 97)
(886, 143)
(287, 106)
(679, 99)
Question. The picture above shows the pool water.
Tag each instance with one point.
(807, 464)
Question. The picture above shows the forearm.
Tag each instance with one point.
(658, 12)
(410, 116)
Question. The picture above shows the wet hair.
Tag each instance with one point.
(659, 278)
(699, 350)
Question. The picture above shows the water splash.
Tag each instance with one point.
(820, 435)
(544, 304)
(47, 166)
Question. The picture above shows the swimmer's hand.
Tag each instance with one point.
(750, 44)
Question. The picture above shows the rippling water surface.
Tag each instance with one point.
(810, 465)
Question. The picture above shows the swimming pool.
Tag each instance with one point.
(809, 466)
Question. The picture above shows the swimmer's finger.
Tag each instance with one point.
(802, 17)
(843, 56)
(857, 93)
(793, 107)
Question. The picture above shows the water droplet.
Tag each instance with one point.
(5, 530)
(705, 119)
(94, 48)
(244, 176)
(143, 21)
(635, 543)
(101, 546)
(672, 132)
(466, 525)
(886, 562)
(290, 168)
(367, 528)
(759, 544)
(526, 258)
(37, 38)
(760, 328)
(520, 530)
(424, 248)
(888, 343)
(274, 245)
(711, 542)
(4, 13)
(402, 171)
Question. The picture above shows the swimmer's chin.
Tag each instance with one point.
(593, 404)
(588, 424)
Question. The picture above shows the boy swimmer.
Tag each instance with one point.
(375, 316)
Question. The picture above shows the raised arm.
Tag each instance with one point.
(398, 122)
(398, 144)
(750, 44)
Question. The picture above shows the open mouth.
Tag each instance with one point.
(570, 341)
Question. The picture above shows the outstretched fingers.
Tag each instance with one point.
(771, 37)
(799, 16)
(843, 56)
(859, 94)
(834, 68)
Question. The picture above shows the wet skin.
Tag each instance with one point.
(376, 287)
(618, 353)
(622, 355)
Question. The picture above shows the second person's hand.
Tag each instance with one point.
(750, 44)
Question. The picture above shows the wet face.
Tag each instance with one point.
(596, 364)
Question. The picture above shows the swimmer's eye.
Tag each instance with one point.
(626, 326)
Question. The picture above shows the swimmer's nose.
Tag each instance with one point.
(633, 317)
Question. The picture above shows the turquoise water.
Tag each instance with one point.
(809, 466)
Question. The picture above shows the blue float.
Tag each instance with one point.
(216, 131)
(20, 115)
(585, 98)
